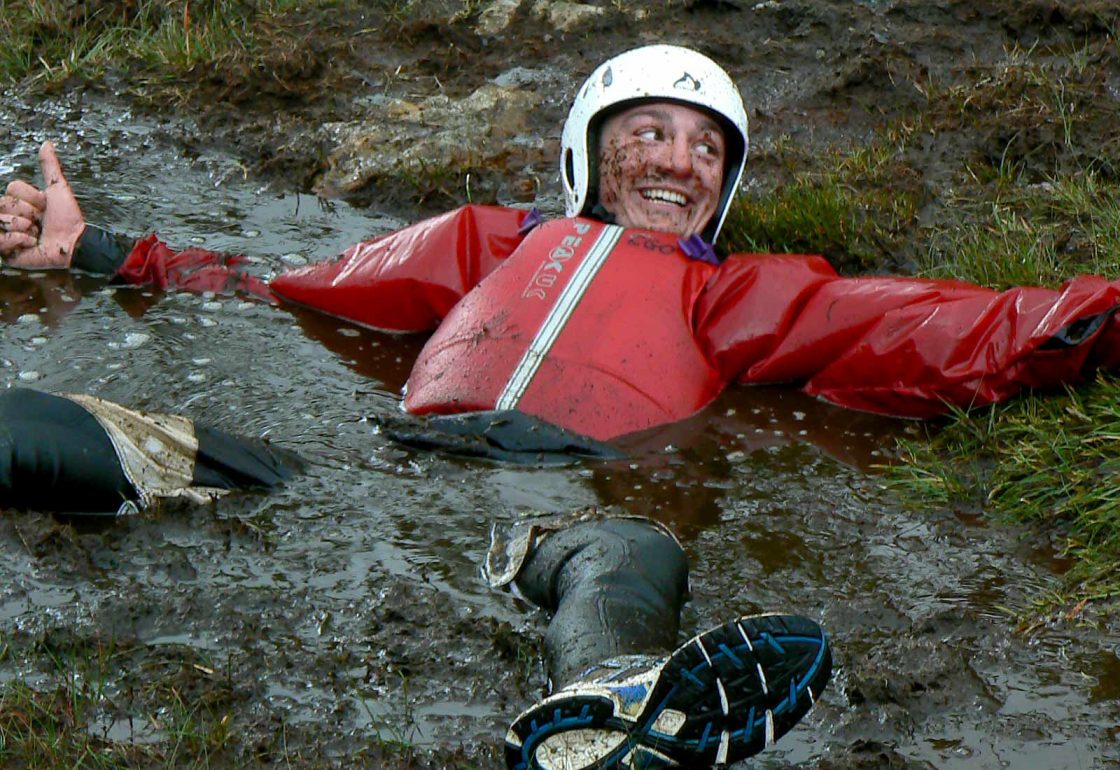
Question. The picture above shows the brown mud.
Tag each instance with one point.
(342, 622)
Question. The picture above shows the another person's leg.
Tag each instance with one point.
(626, 697)
(79, 454)
(55, 456)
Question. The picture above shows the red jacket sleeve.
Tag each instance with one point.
(907, 347)
(152, 263)
(409, 279)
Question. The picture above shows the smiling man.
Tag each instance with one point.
(661, 167)
(553, 337)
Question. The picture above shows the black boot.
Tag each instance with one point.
(615, 587)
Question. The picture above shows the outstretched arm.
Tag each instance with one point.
(39, 229)
(408, 280)
(901, 346)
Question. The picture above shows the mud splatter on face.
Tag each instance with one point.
(661, 167)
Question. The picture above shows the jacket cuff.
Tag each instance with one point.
(100, 251)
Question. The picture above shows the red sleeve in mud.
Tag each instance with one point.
(152, 263)
(408, 280)
(901, 346)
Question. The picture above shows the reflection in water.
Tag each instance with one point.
(385, 359)
(1107, 673)
(680, 473)
(47, 296)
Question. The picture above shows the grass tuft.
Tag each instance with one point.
(47, 42)
(1048, 460)
(855, 207)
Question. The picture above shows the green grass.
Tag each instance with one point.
(1052, 462)
(48, 42)
(1033, 200)
(854, 206)
(1039, 234)
(49, 725)
(77, 702)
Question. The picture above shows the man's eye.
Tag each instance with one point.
(707, 148)
(649, 133)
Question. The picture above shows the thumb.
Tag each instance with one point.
(48, 162)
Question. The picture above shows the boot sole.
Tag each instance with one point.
(724, 695)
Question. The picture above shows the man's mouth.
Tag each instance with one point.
(666, 196)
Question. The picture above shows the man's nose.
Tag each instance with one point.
(680, 155)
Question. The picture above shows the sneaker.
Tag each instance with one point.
(720, 697)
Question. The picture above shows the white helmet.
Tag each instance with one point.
(658, 73)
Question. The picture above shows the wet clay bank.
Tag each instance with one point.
(341, 620)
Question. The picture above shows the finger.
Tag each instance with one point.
(48, 162)
(28, 193)
(16, 224)
(17, 207)
(10, 243)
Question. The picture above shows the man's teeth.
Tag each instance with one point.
(664, 195)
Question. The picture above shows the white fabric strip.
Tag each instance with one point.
(558, 317)
(157, 451)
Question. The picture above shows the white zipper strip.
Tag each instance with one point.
(558, 318)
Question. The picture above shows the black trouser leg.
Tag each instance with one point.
(55, 456)
(614, 587)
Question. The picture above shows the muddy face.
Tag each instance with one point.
(661, 167)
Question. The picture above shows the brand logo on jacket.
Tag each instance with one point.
(546, 275)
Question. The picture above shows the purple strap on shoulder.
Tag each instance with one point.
(695, 247)
(533, 219)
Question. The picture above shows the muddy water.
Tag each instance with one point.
(349, 606)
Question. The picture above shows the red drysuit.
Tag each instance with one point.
(606, 331)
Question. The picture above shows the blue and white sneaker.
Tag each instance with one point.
(720, 697)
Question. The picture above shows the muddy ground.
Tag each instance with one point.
(342, 622)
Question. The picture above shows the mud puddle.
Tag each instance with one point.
(346, 610)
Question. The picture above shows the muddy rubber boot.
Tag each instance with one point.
(722, 696)
(613, 585)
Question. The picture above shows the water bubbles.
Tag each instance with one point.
(131, 341)
(28, 318)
